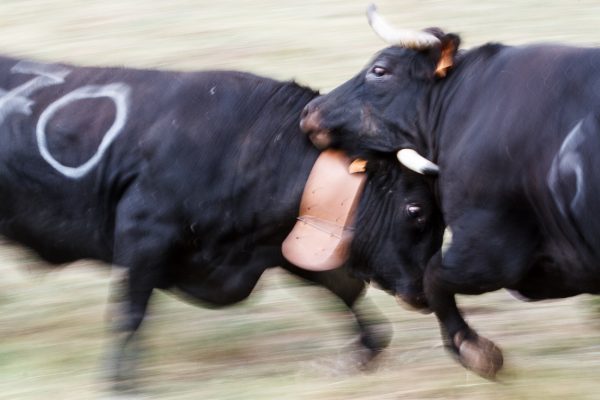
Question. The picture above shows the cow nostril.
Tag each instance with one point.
(310, 120)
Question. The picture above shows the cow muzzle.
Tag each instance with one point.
(311, 124)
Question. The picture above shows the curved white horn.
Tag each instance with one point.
(399, 37)
(416, 162)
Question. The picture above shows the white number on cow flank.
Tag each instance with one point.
(568, 162)
(17, 101)
(117, 92)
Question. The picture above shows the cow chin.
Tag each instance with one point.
(320, 139)
(411, 299)
(413, 302)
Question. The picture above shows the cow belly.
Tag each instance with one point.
(548, 280)
(227, 282)
(211, 292)
(57, 239)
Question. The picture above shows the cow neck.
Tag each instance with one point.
(430, 113)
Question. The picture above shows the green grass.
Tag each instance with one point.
(288, 341)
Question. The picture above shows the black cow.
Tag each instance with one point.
(514, 133)
(189, 180)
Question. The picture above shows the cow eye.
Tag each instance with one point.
(414, 211)
(379, 71)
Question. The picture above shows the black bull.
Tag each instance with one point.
(515, 132)
(189, 180)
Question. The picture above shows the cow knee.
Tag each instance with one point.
(462, 272)
(489, 251)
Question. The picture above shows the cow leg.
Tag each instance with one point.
(375, 332)
(473, 351)
(144, 245)
(131, 299)
(488, 252)
(122, 353)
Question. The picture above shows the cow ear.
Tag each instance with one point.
(448, 47)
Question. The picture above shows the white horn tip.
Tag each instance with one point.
(399, 37)
(371, 10)
(416, 162)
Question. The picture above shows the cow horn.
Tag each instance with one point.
(416, 162)
(417, 40)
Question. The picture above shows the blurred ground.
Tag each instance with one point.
(288, 341)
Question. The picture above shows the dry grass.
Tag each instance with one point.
(287, 341)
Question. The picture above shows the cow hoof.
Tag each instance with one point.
(479, 354)
(369, 345)
(376, 337)
(365, 360)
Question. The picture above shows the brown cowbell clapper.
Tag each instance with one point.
(321, 238)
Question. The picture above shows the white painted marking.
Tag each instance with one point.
(16, 100)
(213, 90)
(446, 241)
(117, 92)
(567, 160)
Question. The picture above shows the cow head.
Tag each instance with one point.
(380, 109)
(376, 115)
(398, 228)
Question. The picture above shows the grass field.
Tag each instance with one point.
(288, 341)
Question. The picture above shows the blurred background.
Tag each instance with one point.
(288, 341)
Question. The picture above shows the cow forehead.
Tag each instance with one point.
(392, 53)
